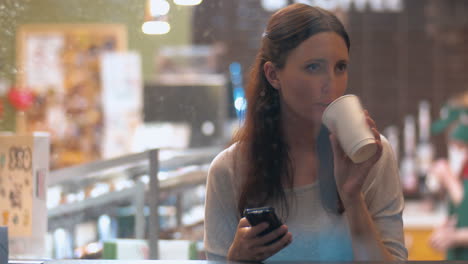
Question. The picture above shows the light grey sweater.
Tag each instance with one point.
(317, 234)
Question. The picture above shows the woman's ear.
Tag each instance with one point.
(271, 73)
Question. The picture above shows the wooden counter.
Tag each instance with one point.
(419, 222)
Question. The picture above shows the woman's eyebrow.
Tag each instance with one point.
(322, 60)
(316, 60)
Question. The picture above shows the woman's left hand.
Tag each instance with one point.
(350, 176)
(443, 236)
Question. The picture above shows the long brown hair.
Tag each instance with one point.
(261, 138)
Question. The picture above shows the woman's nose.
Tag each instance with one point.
(329, 83)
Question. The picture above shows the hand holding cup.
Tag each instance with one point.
(345, 118)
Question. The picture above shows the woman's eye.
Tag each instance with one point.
(313, 67)
(342, 67)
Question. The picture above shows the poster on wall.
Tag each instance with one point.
(60, 63)
(122, 104)
(16, 185)
(44, 68)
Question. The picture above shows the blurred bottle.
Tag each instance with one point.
(392, 135)
(408, 169)
(428, 184)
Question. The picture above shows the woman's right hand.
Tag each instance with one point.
(248, 246)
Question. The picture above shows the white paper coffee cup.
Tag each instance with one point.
(345, 118)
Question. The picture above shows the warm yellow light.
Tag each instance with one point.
(188, 2)
(159, 7)
(155, 27)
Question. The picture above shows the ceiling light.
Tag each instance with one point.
(158, 7)
(273, 5)
(155, 27)
(187, 2)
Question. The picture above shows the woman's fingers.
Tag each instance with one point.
(376, 134)
(270, 250)
(254, 231)
(261, 251)
(368, 164)
(372, 125)
(282, 230)
(243, 222)
(371, 122)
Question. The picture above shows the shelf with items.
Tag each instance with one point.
(145, 189)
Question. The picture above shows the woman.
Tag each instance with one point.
(452, 235)
(283, 157)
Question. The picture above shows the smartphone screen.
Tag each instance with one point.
(256, 216)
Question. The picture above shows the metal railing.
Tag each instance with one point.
(140, 192)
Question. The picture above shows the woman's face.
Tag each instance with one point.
(315, 73)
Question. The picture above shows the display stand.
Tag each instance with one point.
(24, 166)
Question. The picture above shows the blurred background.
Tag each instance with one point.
(134, 98)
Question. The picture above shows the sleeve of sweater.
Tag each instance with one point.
(384, 198)
(221, 217)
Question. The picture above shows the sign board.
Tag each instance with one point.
(24, 166)
(16, 185)
(122, 105)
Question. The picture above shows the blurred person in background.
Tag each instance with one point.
(452, 235)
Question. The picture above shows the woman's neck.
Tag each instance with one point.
(301, 137)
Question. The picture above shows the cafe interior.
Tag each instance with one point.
(111, 112)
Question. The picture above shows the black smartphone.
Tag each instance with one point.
(258, 215)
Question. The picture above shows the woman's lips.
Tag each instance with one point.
(324, 105)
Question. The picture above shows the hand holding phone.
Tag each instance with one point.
(259, 215)
(249, 245)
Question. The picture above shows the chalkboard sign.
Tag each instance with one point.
(16, 184)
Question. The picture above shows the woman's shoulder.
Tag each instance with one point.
(225, 158)
(225, 164)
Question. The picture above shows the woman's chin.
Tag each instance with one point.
(314, 119)
(317, 116)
